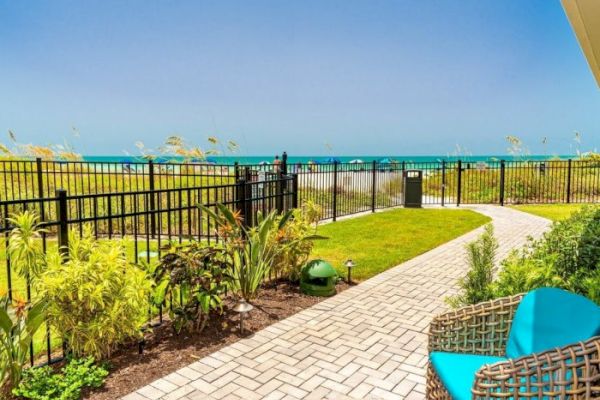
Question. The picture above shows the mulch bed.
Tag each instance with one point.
(166, 352)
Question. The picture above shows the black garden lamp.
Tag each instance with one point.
(242, 307)
(349, 264)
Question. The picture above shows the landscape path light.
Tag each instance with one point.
(349, 264)
(242, 307)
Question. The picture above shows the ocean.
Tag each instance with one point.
(230, 160)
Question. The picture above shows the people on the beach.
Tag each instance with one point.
(277, 164)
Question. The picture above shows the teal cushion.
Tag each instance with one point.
(457, 371)
(548, 318)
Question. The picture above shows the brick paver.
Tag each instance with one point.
(368, 342)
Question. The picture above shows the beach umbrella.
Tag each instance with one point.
(357, 161)
(332, 160)
(264, 163)
(211, 161)
(314, 162)
(385, 161)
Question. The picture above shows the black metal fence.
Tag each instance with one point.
(340, 188)
(149, 218)
(153, 203)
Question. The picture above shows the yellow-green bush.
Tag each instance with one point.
(96, 299)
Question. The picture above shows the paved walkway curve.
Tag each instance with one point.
(368, 342)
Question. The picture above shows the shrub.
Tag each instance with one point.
(568, 256)
(277, 241)
(42, 383)
(199, 274)
(475, 286)
(254, 256)
(295, 239)
(249, 249)
(96, 299)
(18, 324)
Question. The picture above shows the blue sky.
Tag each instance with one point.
(367, 77)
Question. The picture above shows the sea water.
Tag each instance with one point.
(292, 159)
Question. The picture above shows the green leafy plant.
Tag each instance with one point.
(253, 260)
(96, 299)
(567, 256)
(295, 241)
(25, 244)
(43, 383)
(18, 324)
(475, 286)
(250, 249)
(198, 273)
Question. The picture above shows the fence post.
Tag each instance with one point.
(374, 186)
(152, 200)
(443, 182)
(295, 190)
(40, 178)
(502, 178)
(248, 212)
(236, 171)
(569, 181)
(284, 166)
(247, 198)
(63, 223)
(458, 182)
(63, 240)
(240, 198)
(279, 192)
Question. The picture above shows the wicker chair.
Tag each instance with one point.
(571, 372)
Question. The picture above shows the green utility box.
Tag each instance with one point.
(318, 278)
(412, 184)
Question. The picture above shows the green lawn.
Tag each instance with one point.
(376, 242)
(554, 212)
(383, 240)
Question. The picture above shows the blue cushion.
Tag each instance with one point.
(547, 318)
(457, 371)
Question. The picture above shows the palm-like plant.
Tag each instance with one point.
(252, 249)
(25, 244)
(249, 249)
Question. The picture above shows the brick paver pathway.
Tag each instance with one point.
(368, 342)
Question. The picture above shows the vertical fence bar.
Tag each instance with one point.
(240, 198)
(40, 178)
(373, 186)
(502, 175)
(63, 222)
(279, 192)
(295, 190)
(152, 200)
(334, 205)
(569, 166)
(443, 182)
(248, 203)
(458, 182)
(40, 182)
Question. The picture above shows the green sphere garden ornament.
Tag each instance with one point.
(318, 278)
